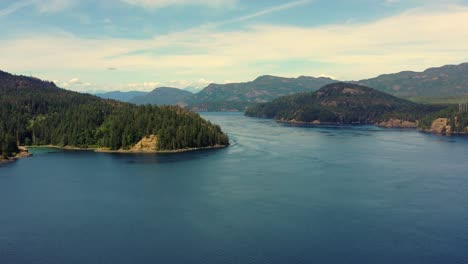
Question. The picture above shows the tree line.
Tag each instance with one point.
(33, 112)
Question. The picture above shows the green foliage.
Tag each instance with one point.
(458, 121)
(440, 100)
(39, 113)
(220, 106)
(341, 103)
(7, 146)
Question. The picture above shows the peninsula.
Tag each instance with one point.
(38, 113)
(347, 103)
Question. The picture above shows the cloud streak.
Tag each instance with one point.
(268, 11)
(165, 3)
(43, 6)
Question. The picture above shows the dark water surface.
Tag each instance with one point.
(279, 194)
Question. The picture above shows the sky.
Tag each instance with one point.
(105, 45)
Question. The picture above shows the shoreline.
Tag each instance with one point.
(385, 126)
(318, 123)
(23, 153)
(122, 151)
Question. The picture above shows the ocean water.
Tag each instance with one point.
(279, 194)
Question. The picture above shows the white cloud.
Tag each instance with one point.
(164, 3)
(414, 40)
(74, 84)
(181, 84)
(144, 86)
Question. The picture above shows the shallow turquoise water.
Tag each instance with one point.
(279, 194)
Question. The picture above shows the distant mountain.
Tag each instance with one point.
(263, 89)
(163, 96)
(343, 103)
(238, 96)
(121, 96)
(445, 84)
(449, 80)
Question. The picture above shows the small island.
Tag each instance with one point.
(38, 113)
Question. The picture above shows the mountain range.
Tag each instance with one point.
(444, 84)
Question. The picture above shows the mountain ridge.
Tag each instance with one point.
(162, 96)
(340, 103)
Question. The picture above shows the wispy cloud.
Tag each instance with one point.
(268, 11)
(44, 6)
(15, 7)
(164, 3)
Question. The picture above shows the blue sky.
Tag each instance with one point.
(102, 45)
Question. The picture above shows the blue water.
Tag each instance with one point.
(279, 194)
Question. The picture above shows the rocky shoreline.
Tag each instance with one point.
(397, 123)
(439, 126)
(23, 153)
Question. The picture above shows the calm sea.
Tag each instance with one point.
(279, 194)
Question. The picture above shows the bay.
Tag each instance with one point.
(279, 194)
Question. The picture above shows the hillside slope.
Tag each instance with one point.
(448, 80)
(236, 96)
(342, 103)
(39, 113)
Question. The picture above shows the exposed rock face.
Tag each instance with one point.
(23, 152)
(146, 144)
(397, 123)
(352, 91)
(441, 126)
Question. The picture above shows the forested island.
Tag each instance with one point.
(38, 113)
(347, 103)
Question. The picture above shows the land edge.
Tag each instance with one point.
(387, 124)
(123, 151)
(24, 151)
(381, 125)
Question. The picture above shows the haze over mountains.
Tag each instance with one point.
(162, 96)
(445, 81)
(121, 96)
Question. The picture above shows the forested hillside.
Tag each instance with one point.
(448, 80)
(341, 103)
(34, 112)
